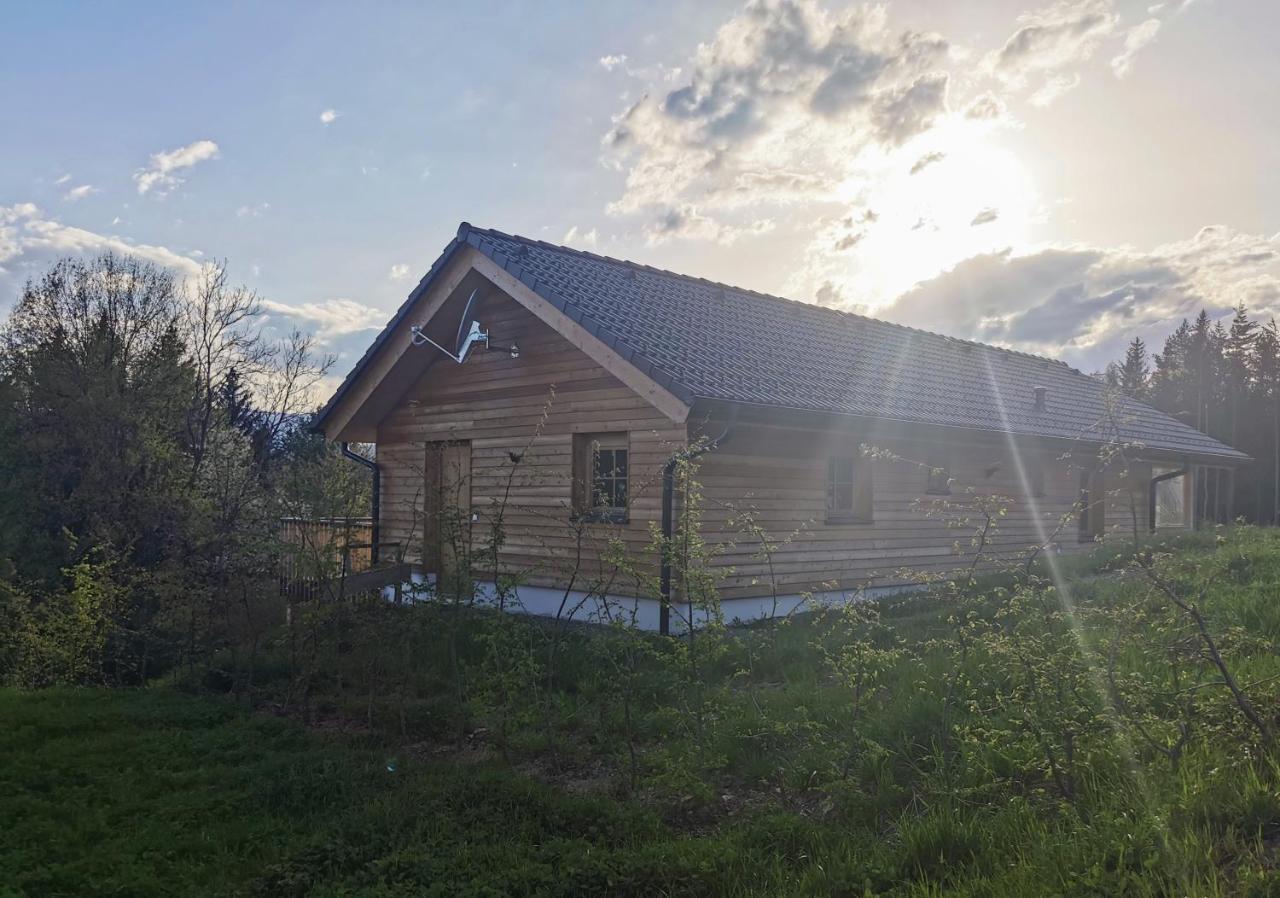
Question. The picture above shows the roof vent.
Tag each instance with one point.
(1042, 394)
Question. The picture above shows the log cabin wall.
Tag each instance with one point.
(497, 403)
(778, 475)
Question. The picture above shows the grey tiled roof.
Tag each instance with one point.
(703, 340)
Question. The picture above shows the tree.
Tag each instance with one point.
(1132, 377)
(99, 384)
(142, 422)
(1267, 369)
(1169, 386)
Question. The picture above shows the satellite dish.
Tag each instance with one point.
(469, 334)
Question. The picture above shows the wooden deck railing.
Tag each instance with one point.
(323, 548)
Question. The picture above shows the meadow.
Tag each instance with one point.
(1105, 728)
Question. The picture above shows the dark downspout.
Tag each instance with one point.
(668, 517)
(1151, 496)
(377, 496)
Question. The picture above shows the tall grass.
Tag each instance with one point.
(876, 753)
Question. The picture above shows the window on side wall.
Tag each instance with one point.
(939, 471)
(1033, 465)
(602, 476)
(1170, 506)
(848, 490)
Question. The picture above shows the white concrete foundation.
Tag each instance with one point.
(590, 608)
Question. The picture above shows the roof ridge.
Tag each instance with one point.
(466, 227)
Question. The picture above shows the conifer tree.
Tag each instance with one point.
(1135, 372)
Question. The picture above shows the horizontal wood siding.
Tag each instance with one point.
(498, 404)
(531, 408)
(778, 476)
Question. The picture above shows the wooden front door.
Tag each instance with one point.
(447, 518)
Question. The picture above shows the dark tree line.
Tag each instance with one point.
(151, 436)
(1225, 381)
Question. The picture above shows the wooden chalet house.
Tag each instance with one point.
(557, 385)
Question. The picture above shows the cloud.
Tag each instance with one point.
(1087, 301)
(330, 318)
(795, 114)
(686, 222)
(926, 160)
(79, 193)
(576, 236)
(985, 107)
(784, 104)
(609, 63)
(329, 116)
(398, 272)
(256, 211)
(903, 114)
(1055, 36)
(1135, 39)
(1051, 40)
(63, 179)
(162, 174)
(30, 242)
(1176, 6)
(1055, 87)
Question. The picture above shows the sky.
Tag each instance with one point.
(1057, 178)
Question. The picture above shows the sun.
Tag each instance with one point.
(938, 202)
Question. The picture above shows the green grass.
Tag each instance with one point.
(160, 792)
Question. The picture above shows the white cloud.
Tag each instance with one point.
(79, 193)
(784, 105)
(63, 179)
(798, 119)
(1050, 41)
(577, 237)
(255, 211)
(687, 223)
(612, 62)
(1054, 87)
(330, 318)
(986, 107)
(398, 272)
(162, 174)
(329, 116)
(1134, 40)
(1055, 36)
(1087, 301)
(30, 242)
